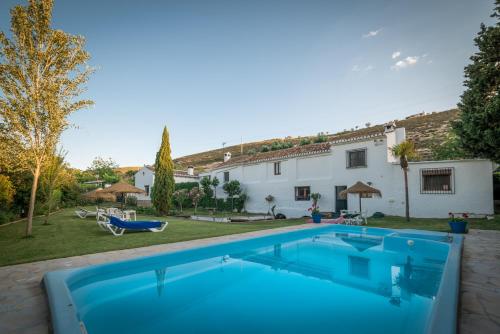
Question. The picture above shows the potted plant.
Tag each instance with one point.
(458, 224)
(315, 214)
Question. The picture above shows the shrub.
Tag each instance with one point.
(276, 146)
(265, 148)
(131, 201)
(321, 138)
(6, 217)
(186, 185)
(305, 141)
(252, 151)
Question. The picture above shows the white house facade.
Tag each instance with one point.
(145, 178)
(291, 175)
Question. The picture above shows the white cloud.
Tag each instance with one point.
(357, 68)
(407, 62)
(396, 54)
(372, 33)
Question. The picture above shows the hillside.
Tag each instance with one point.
(425, 129)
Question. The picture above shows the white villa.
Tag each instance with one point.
(145, 177)
(291, 175)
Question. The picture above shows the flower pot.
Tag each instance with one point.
(458, 226)
(316, 218)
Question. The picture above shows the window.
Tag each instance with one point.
(436, 181)
(356, 158)
(302, 193)
(146, 188)
(226, 176)
(277, 168)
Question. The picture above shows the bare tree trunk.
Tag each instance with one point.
(407, 200)
(31, 210)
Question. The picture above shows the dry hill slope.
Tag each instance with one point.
(425, 129)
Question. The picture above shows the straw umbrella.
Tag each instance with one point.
(98, 194)
(122, 189)
(361, 189)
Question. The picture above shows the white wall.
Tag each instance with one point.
(143, 177)
(473, 183)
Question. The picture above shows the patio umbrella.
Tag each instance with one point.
(122, 189)
(98, 194)
(361, 189)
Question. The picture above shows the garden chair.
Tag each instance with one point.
(84, 213)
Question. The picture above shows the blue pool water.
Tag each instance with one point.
(330, 280)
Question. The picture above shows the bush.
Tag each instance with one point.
(252, 151)
(146, 211)
(186, 185)
(276, 146)
(6, 217)
(321, 138)
(305, 141)
(131, 201)
(265, 148)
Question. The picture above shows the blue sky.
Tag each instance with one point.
(219, 71)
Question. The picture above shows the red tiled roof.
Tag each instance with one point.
(278, 154)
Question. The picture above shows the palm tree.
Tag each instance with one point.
(405, 151)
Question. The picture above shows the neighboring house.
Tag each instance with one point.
(145, 177)
(291, 175)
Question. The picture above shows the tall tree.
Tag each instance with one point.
(405, 151)
(51, 180)
(478, 127)
(164, 184)
(42, 71)
(232, 189)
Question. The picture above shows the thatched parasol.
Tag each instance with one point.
(361, 189)
(98, 194)
(122, 188)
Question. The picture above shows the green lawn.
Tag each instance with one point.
(68, 235)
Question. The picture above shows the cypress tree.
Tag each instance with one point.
(164, 184)
(478, 128)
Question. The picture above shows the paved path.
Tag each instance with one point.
(23, 306)
(480, 288)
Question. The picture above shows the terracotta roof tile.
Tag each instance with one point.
(278, 154)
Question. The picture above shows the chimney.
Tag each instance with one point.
(190, 170)
(227, 156)
(394, 136)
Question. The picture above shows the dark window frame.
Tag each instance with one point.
(226, 176)
(438, 172)
(277, 168)
(303, 198)
(348, 161)
(146, 189)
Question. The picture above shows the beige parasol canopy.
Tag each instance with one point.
(122, 189)
(98, 194)
(361, 189)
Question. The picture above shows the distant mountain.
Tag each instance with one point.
(426, 129)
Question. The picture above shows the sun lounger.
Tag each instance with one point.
(84, 213)
(117, 226)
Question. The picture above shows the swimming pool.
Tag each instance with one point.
(333, 279)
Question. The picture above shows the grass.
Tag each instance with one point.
(68, 235)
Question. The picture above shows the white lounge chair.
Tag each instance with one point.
(117, 226)
(84, 213)
(354, 217)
